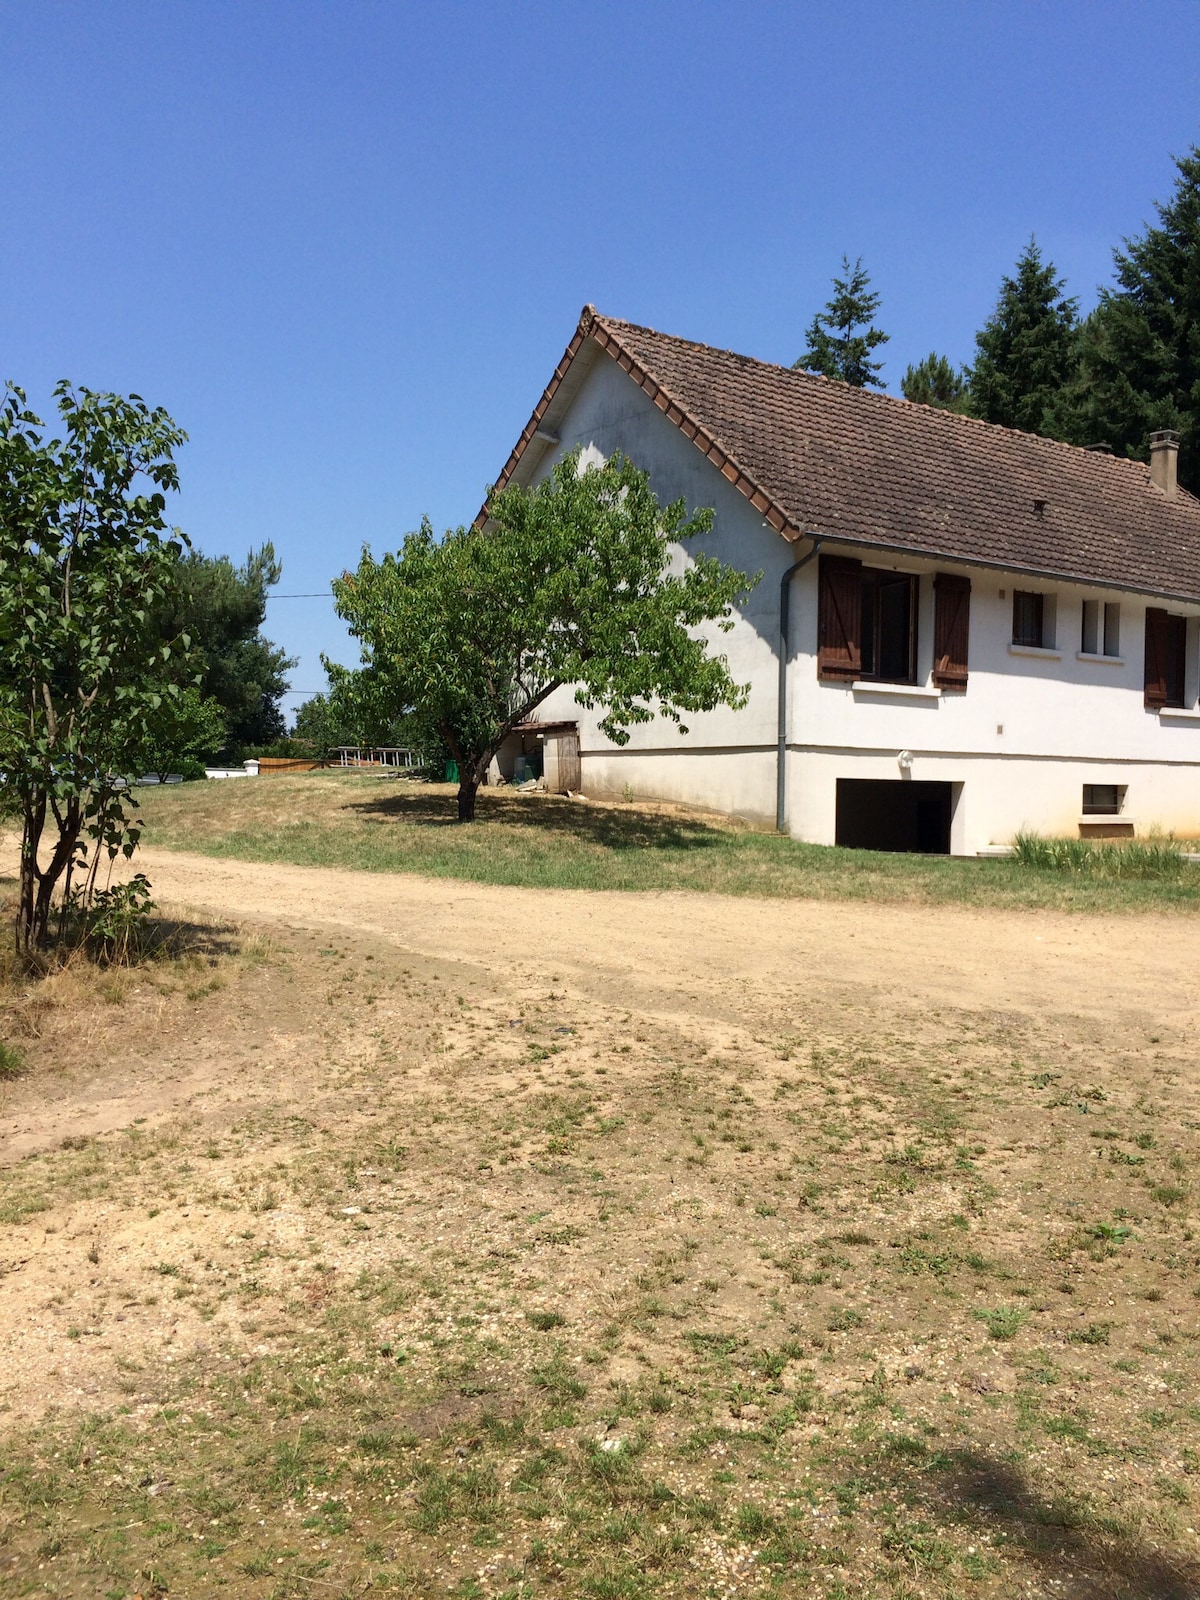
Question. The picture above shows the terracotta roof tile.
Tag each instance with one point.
(815, 456)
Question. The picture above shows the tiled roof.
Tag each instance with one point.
(818, 457)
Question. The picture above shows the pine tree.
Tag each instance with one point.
(1027, 350)
(1141, 346)
(842, 337)
(934, 382)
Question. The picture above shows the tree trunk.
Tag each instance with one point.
(33, 822)
(36, 899)
(468, 788)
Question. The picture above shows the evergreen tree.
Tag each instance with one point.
(1027, 351)
(222, 608)
(842, 337)
(1141, 346)
(934, 382)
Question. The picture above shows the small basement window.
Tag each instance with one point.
(1101, 634)
(1103, 799)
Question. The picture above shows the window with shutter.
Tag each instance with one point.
(888, 639)
(1176, 661)
(1156, 658)
(839, 624)
(951, 630)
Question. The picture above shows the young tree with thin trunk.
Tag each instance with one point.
(569, 582)
(85, 558)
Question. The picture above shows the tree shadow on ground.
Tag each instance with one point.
(548, 816)
(159, 938)
(176, 938)
(1081, 1554)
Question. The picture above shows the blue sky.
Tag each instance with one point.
(345, 244)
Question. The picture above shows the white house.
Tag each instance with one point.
(961, 631)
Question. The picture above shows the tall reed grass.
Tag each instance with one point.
(1135, 858)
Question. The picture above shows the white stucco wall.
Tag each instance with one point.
(1022, 741)
(726, 761)
(1028, 733)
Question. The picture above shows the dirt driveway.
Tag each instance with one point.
(714, 955)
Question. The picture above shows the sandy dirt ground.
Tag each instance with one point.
(647, 1110)
(714, 955)
(720, 960)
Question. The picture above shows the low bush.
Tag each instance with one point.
(12, 1062)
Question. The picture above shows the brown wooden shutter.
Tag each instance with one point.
(951, 627)
(839, 649)
(1156, 657)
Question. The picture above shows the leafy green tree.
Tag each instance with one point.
(1141, 346)
(1027, 351)
(357, 710)
(319, 726)
(182, 733)
(934, 382)
(570, 582)
(85, 561)
(842, 337)
(222, 607)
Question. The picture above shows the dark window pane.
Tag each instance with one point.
(1090, 642)
(1112, 628)
(889, 616)
(895, 629)
(870, 621)
(1176, 657)
(1101, 799)
(1027, 618)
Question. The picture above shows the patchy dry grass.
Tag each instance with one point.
(448, 1285)
(381, 824)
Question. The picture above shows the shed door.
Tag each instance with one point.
(570, 768)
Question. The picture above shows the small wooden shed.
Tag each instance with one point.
(561, 765)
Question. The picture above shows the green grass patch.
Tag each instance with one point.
(12, 1062)
(373, 824)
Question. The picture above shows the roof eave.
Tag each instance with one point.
(1046, 574)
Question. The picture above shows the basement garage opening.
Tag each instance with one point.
(894, 814)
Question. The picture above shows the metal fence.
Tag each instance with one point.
(377, 755)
